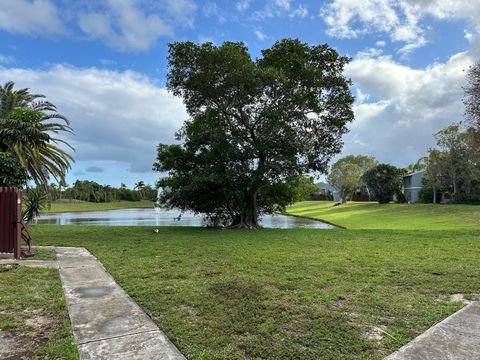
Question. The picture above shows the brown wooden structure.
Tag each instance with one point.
(11, 223)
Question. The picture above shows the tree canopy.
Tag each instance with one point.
(255, 126)
(12, 174)
(305, 189)
(384, 181)
(472, 95)
(454, 167)
(346, 175)
(345, 178)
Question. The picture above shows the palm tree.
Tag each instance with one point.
(140, 186)
(28, 125)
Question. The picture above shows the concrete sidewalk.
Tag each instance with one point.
(106, 322)
(455, 338)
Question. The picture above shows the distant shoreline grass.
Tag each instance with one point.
(80, 206)
(370, 215)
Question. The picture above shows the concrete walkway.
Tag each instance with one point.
(106, 322)
(455, 338)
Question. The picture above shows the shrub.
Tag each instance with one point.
(384, 181)
(12, 173)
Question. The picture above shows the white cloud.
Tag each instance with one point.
(124, 26)
(118, 117)
(260, 35)
(277, 8)
(6, 59)
(242, 5)
(179, 12)
(300, 12)
(380, 43)
(400, 19)
(341, 16)
(398, 108)
(369, 53)
(282, 4)
(210, 9)
(37, 17)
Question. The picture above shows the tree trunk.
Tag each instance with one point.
(248, 217)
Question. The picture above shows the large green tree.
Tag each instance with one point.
(254, 127)
(304, 188)
(384, 181)
(30, 129)
(345, 177)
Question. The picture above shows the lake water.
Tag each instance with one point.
(164, 217)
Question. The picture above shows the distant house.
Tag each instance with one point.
(361, 194)
(412, 184)
(327, 188)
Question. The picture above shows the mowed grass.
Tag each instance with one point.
(369, 215)
(65, 206)
(285, 294)
(41, 254)
(33, 315)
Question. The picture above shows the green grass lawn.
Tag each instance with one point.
(64, 206)
(33, 315)
(362, 215)
(42, 254)
(286, 294)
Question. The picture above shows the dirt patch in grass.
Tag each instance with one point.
(30, 333)
(33, 316)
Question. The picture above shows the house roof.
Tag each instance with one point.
(414, 173)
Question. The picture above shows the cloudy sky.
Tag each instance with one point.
(103, 63)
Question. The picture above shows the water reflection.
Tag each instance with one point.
(164, 217)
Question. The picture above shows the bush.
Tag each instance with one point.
(401, 199)
(35, 201)
(426, 195)
(384, 181)
(12, 173)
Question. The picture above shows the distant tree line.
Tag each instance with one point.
(91, 191)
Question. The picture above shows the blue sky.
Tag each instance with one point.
(103, 63)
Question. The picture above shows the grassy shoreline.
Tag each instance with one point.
(370, 215)
(65, 206)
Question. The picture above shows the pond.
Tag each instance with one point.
(164, 217)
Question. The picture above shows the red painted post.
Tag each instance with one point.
(17, 237)
(10, 217)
